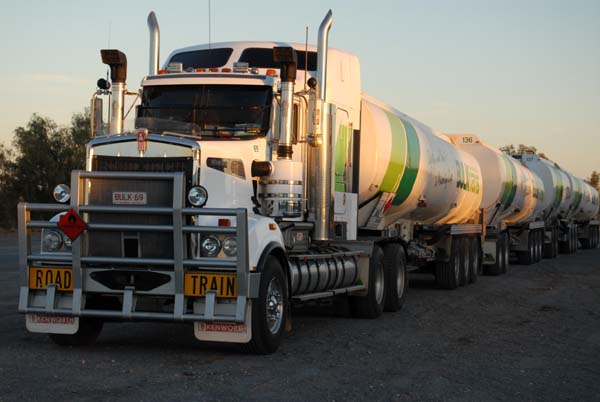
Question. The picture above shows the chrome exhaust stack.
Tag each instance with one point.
(154, 43)
(118, 75)
(320, 154)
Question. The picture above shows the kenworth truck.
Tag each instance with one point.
(258, 175)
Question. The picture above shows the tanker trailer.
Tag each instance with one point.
(585, 216)
(416, 186)
(564, 211)
(511, 203)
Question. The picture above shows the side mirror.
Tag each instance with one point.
(97, 125)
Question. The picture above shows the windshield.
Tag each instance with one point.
(207, 111)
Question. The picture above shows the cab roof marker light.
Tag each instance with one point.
(200, 70)
(161, 72)
(226, 70)
(213, 70)
(272, 73)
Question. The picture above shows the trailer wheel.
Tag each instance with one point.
(396, 280)
(526, 257)
(86, 335)
(371, 305)
(555, 242)
(497, 268)
(447, 273)
(269, 311)
(506, 249)
(538, 245)
(586, 243)
(465, 260)
(475, 260)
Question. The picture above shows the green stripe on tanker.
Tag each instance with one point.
(397, 162)
(413, 158)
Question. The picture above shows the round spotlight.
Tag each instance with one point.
(211, 246)
(51, 241)
(230, 247)
(62, 193)
(197, 196)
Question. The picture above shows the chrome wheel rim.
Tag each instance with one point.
(379, 284)
(274, 305)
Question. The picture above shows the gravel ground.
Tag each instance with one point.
(530, 335)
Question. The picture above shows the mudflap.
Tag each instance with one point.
(231, 332)
(52, 324)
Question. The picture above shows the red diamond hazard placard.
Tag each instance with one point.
(71, 224)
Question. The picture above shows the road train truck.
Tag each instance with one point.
(258, 174)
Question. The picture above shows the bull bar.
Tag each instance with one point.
(179, 263)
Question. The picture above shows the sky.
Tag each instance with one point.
(515, 72)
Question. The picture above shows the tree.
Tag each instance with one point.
(594, 180)
(43, 155)
(522, 149)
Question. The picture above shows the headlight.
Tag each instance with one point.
(211, 246)
(197, 196)
(230, 246)
(62, 193)
(52, 241)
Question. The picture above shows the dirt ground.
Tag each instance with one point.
(530, 335)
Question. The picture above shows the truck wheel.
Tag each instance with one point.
(587, 242)
(506, 249)
(538, 246)
(371, 305)
(496, 269)
(396, 280)
(555, 254)
(86, 335)
(465, 260)
(474, 260)
(447, 273)
(526, 256)
(269, 311)
(547, 248)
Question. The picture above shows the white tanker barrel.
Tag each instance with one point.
(588, 208)
(555, 184)
(407, 171)
(511, 193)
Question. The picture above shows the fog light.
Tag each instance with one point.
(62, 193)
(52, 241)
(211, 246)
(197, 196)
(230, 246)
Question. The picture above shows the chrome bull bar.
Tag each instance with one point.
(179, 263)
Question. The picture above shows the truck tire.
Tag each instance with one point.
(371, 305)
(547, 249)
(555, 242)
(465, 260)
(447, 273)
(526, 257)
(497, 267)
(475, 260)
(86, 335)
(539, 241)
(586, 243)
(396, 279)
(506, 252)
(270, 310)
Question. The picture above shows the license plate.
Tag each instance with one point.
(197, 284)
(39, 278)
(129, 198)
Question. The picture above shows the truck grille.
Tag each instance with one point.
(103, 163)
(159, 193)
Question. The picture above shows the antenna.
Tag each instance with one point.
(209, 38)
(108, 45)
(306, 59)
